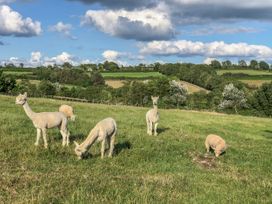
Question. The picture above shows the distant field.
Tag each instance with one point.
(115, 83)
(249, 72)
(169, 168)
(194, 88)
(17, 73)
(255, 83)
(130, 75)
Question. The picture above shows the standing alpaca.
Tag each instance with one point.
(104, 131)
(68, 111)
(45, 120)
(152, 117)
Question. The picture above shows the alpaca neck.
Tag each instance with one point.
(28, 110)
(155, 107)
(86, 145)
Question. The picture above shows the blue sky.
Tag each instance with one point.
(39, 32)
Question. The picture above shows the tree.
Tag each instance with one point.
(215, 64)
(242, 63)
(47, 88)
(226, 64)
(263, 65)
(254, 64)
(97, 79)
(6, 83)
(233, 98)
(67, 65)
(178, 93)
(261, 101)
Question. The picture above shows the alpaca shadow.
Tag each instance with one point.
(118, 148)
(161, 130)
(74, 137)
(267, 134)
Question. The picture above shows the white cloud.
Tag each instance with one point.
(208, 60)
(60, 59)
(64, 29)
(12, 23)
(213, 49)
(111, 55)
(144, 25)
(35, 59)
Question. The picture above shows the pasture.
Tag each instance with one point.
(244, 71)
(130, 75)
(169, 168)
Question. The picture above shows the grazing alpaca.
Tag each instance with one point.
(45, 120)
(152, 117)
(68, 111)
(216, 143)
(104, 131)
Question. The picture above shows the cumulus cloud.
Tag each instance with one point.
(64, 29)
(111, 55)
(143, 25)
(60, 59)
(208, 60)
(12, 23)
(198, 11)
(6, 1)
(213, 49)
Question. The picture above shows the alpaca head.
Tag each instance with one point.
(155, 99)
(78, 151)
(21, 99)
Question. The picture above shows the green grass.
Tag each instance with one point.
(244, 71)
(17, 73)
(130, 75)
(144, 169)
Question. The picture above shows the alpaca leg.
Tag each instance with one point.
(63, 134)
(207, 147)
(112, 145)
(148, 126)
(103, 148)
(39, 132)
(44, 138)
(155, 129)
(67, 138)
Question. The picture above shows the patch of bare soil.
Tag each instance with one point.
(206, 161)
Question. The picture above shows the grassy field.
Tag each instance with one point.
(244, 71)
(130, 75)
(255, 83)
(115, 83)
(169, 168)
(194, 88)
(17, 73)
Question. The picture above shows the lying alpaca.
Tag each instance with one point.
(216, 143)
(45, 120)
(152, 117)
(104, 131)
(68, 111)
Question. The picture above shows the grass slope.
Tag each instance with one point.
(130, 75)
(144, 169)
(244, 71)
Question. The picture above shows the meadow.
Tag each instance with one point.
(244, 71)
(169, 168)
(130, 75)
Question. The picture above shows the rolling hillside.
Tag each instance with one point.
(169, 168)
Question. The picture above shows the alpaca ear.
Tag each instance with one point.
(25, 94)
(76, 143)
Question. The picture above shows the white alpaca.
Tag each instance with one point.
(45, 120)
(217, 143)
(104, 131)
(152, 117)
(68, 111)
